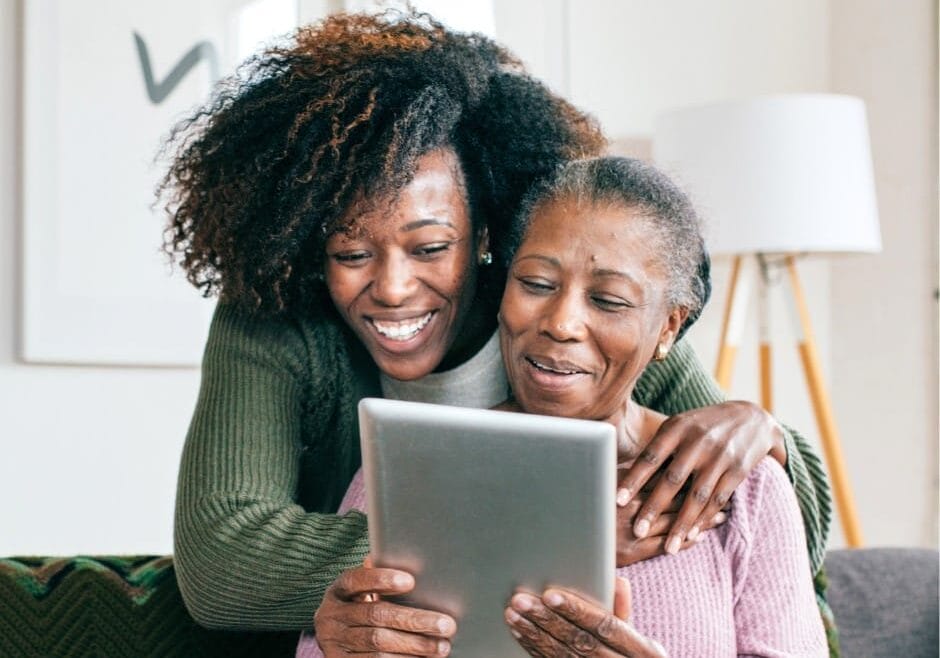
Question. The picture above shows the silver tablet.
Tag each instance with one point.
(477, 503)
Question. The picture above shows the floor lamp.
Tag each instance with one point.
(778, 177)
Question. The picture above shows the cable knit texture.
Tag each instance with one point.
(744, 590)
(274, 443)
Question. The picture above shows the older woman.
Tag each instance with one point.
(607, 276)
(344, 195)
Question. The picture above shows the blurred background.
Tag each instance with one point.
(99, 344)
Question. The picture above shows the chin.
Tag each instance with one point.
(406, 371)
(547, 406)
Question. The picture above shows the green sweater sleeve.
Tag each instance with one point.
(681, 383)
(247, 555)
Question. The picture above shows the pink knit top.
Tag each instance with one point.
(744, 590)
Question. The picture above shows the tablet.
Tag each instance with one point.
(477, 503)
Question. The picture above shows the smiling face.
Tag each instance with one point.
(403, 276)
(584, 309)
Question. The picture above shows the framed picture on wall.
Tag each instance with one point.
(104, 81)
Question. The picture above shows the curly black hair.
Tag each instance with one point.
(264, 173)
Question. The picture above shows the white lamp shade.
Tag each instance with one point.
(776, 174)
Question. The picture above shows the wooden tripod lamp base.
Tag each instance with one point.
(731, 332)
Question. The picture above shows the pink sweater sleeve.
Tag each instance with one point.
(775, 611)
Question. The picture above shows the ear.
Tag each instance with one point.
(674, 321)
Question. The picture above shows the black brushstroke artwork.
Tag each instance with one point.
(158, 91)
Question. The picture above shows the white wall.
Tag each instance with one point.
(89, 455)
(884, 312)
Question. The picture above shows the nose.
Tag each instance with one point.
(564, 319)
(394, 281)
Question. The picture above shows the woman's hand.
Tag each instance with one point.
(631, 549)
(714, 447)
(354, 619)
(561, 623)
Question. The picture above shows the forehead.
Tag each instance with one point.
(614, 229)
(434, 195)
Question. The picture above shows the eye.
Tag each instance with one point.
(536, 286)
(432, 249)
(607, 303)
(351, 258)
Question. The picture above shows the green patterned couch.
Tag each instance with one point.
(103, 607)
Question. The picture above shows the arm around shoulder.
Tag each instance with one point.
(247, 555)
(681, 383)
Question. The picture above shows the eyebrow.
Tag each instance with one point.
(420, 223)
(600, 272)
(547, 259)
(617, 274)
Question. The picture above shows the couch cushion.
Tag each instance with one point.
(110, 606)
(885, 601)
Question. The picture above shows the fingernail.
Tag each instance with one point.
(445, 626)
(516, 634)
(693, 533)
(523, 602)
(443, 647)
(641, 528)
(401, 580)
(623, 496)
(672, 546)
(553, 599)
(512, 616)
(721, 517)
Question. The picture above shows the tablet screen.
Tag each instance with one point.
(477, 503)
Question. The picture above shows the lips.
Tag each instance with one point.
(544, 378)
(555, 367)
(401, 330)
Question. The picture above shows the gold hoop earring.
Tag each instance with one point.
(661, 353)
(486, 258)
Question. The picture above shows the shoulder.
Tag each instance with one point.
(766, 493)
(292, 344)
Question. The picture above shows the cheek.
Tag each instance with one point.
(520, 313)
(458, 277)
(623, 344)
(342, 284)
(508, 312)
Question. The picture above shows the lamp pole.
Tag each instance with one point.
(732, 329)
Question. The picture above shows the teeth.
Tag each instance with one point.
(542, 366)
(402, 330)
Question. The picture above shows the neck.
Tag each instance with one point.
(636, 425)
(475, 330)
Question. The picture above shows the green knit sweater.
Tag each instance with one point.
(274, 443)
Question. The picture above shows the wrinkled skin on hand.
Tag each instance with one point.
(708, 451)
(354, 618)
(561, 623)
